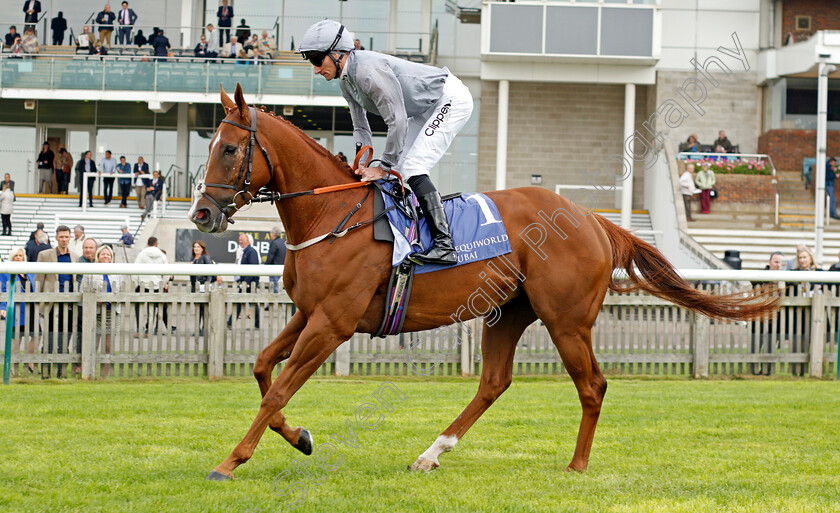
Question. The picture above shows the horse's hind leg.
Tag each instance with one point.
(576, 351)
(498, 345)
(277, 351)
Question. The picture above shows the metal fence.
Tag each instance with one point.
(143, 331)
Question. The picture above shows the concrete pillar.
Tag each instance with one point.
(627, 184)
(426, 25)
(186, 36)
(501, 135)
(182, 152)
(392, 26)
(819, 174)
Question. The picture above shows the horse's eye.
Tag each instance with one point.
(230, 150)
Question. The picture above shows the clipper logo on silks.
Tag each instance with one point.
(477, 231)
(439, 119)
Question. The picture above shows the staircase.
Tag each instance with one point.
(640, 223)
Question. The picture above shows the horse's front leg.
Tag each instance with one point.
(315, 344)
(274, 353)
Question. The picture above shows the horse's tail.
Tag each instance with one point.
(659, 278)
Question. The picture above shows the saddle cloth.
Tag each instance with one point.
(477, 230)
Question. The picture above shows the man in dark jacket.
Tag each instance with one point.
(59, 26)
(225, 15)
(31, 8)
(11, 36)
(105, 20)
(126, 20)
(161, 45)
(276, 254)
(247, 256)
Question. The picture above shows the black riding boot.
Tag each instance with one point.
(443, 252)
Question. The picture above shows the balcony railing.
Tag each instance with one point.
(162, 75)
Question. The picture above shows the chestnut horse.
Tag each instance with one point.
(559, 271)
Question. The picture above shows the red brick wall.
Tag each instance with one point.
(825, 15)
(787, 148)
(756, 189)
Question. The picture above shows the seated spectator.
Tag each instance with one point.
(11, 36)
(30, 42)
(140, 39)
(231, 50)
(243, 31)
(250, 44)
(161, 45)
(268, 45)
(202, 49)
(687, 187)
(723, 142)
(17, 51)
(126, 237)
(98, 49)
(775, 262)
(84, 39)
(256, 59)
(692, 143)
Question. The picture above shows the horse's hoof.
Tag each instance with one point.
(218, 476)
(424, 465)
(304, 443)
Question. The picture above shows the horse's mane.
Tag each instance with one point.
(308, 140)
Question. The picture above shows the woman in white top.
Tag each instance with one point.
(108, 319)
(7, 198)
(688, 188)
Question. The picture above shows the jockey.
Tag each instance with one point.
(423, 106)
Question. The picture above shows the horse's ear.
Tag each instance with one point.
(227, 103)
(244, 112)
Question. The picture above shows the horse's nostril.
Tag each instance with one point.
(201, 214)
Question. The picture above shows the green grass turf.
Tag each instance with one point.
(661, 446)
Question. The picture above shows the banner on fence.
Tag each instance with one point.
(221, 246)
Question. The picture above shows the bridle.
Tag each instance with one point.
(244, 175)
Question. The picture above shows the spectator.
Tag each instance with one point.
(63, 168)
(7, 198)
(213, 45)
(200, 256)
(31, 8)
(692, 143)
(58, 26)
(108, 168)
(38, 227)
(86, 165)
(225, 15)
(836, 265)
(30, 42)
(89, 247)
(8, 180)
(243, 31)
(84, 39)
(17, 51)
(140, 184)
(97, 49)
(126, 20)
(11, 36)
(105, 20)
(108, 318)
(256, 58)
(248, 45)
(57, 283)
(153, 192)
(358, 45)
(202, 49)
(342, 157)
(791, 264)
(76, 244)
(688, 188)
(127, 239)
(805, 261)
(124, 173)
(45, 168)
(151, 254)
(775, 262)
(267, 45)
(232, 49)
(40, 243)
(247, 256)
(723, 142)
(705, 180)
(276, 254)
(154, 36)
(830, 176)
(140, 39)
(25, 282)
(161, 46)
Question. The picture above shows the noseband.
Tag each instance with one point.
(244, 174)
